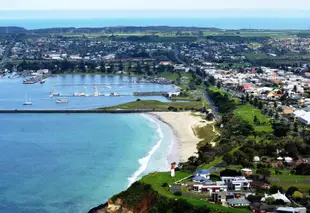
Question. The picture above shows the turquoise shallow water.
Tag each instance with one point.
(73, 162)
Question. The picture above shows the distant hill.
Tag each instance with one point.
(9, 30)
(123, 29)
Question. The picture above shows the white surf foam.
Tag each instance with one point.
(145, 160)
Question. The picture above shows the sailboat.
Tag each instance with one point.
(96, 92)
(27, 101)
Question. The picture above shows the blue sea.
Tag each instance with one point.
(63, 163)
(223, 23)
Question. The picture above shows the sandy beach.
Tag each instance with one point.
(183, 124)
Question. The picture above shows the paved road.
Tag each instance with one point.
(212, 105)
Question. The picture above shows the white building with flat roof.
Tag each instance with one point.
(237, 183)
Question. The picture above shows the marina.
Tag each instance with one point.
(88, 92)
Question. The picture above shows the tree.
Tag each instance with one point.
(270, 200)
(230, 173)
(275, 105)
(290, 191)
(274, 189)
(302, 169)
(255, 102)
(265, 172)
(295, 127)
(280, 130)
(297, 195)
(121, 66)
(247, 97)
(260, 105)
(210, 117)
(255, 119)
(276, 116)
(212, 80)
(228, 158)
(218, 85)
(102, 67)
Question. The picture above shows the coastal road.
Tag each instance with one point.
(212, 105)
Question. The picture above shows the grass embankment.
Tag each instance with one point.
(205, 133)
(247, 113)
(156, 105)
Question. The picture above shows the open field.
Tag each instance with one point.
(247, 112)
(168, 75)
(156, 105)
(286, 180)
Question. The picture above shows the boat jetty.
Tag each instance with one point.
(33, 77)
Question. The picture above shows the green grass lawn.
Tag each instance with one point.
(215, 89)
(247, 112)
(287, 180)
(217, 160)
(168, 75)
(156, 105)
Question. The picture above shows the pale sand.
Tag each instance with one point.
(183, 125)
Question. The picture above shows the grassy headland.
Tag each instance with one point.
(157, 106)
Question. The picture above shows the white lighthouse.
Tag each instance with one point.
(172, 170)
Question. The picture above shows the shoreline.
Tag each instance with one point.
(182, 125)
(145, 162)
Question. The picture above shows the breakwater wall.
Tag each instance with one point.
(77, 111)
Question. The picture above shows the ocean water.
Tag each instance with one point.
(72, 162)
(13, 91)
(223, 23)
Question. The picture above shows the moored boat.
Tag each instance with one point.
(61, 101)
(27, 101)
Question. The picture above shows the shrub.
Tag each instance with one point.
(147, 187)
(178, 193)
(165, 185)
(138, 99)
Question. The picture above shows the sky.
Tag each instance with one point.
(178, 8)
(151, 5)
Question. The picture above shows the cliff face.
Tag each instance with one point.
(120, 206)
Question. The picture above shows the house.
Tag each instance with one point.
(246, 172)
(288, 159)
(259, 207)
(199, 179)
(237, 183)
(286, 110)
(234, 202)
(203, 173)
(210, 187)
(256, 159)
(291, 210)
(277, 196)
(218, 197)
(298, 113)
(305, 119)
(165, 63)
